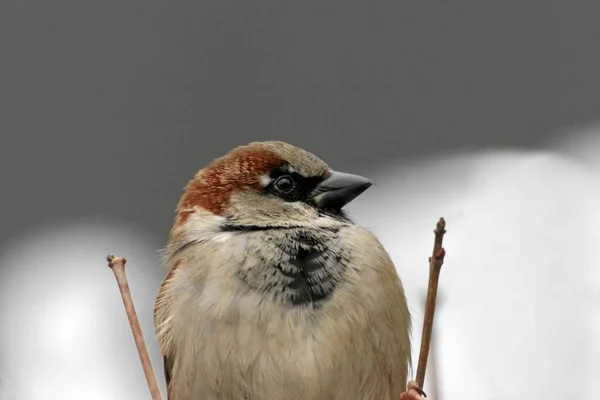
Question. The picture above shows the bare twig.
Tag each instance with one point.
(434, 387)
(117, 264)
(435, 265)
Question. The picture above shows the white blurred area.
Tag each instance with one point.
(520, 284)
(521, 280)
(64, 331)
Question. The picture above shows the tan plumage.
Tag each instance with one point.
(272, 298)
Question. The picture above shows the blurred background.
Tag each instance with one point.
(485, 113)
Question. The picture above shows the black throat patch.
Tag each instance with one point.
(296, 267)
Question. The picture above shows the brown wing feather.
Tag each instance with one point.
(160, 312)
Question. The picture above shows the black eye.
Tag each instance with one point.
(284, 184)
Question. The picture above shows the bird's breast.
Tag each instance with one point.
(300, 314)
(297, 268)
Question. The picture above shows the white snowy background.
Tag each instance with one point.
(521, 280)
(520, 285)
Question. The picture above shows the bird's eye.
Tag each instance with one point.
(284, 184)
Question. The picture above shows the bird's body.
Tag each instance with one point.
(271, 299)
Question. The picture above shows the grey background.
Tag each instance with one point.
(136, 96)
(109, 107)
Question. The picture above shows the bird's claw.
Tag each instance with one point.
(413, 392)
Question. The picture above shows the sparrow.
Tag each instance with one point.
(273, 292)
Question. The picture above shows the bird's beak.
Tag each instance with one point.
(338, 189)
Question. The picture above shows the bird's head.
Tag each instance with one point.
(267, 184)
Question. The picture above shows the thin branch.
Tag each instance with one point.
(435, 391)
(435, 265)
(117, 264)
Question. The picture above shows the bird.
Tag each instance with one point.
(273, 292)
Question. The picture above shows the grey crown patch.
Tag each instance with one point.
(296, 267)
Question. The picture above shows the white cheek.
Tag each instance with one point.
(222, 237)
(202, 227)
